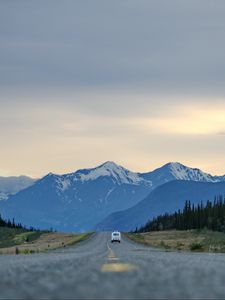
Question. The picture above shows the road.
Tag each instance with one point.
(97, 269)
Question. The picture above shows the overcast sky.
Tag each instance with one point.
(138, 82)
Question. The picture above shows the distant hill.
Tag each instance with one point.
(166, 198)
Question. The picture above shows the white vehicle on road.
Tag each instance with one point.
(116, 237)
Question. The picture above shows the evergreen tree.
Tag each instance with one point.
(211, 216)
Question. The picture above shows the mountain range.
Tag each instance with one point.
(92, 198)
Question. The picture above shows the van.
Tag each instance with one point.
(115, 237)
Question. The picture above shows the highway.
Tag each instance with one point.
(97, 269)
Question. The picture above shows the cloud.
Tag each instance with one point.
(138, 82)
(155, 45)
(189, 120)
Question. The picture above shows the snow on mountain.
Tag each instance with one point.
(119, 174)
(3, 196)
(111, 170)
(182, 172)
(177, 171)
(63, 183)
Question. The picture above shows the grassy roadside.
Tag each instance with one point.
(15, 241)
(189, 240)
(13, 236)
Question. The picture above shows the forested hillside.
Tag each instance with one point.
(210, 215)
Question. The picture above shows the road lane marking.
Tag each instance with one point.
(110, 249)
(112, 258)
(111, 254)
(118, 268)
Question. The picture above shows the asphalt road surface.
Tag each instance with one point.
(97, 269)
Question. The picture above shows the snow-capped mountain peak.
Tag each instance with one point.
(119, 174)
(182, 172)
(178, 171)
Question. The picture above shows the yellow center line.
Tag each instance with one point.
(116, 266)
(111, 252)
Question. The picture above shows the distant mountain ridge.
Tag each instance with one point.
(78, 201)
(13, 184)
(177, 171)
(118, 174)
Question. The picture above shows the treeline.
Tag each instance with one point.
(13, 224)
(210, 215)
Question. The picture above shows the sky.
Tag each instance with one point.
(137, 82)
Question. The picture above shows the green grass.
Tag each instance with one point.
(13, 236)
(214, 241)
(196, 247)
(26, 237)
(20, 241)
(138, 236)
(190, 240)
